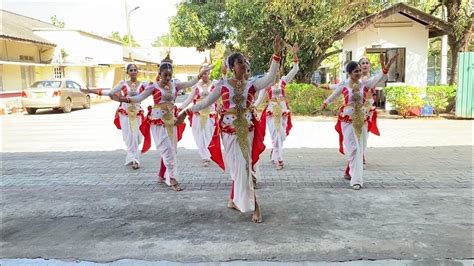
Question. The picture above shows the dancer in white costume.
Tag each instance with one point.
(203, 122)
(128, 117)
(277, 112)
(162, 116)
(354, 115)
(240, 131)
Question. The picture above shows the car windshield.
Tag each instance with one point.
(46, 84)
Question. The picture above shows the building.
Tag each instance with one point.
(398, 29)
(186, 60)
(34, 50)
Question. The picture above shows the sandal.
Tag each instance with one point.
(356, 187)
(347, 177)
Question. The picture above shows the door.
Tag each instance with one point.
(79, 97)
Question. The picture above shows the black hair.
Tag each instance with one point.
(130, 65)
(351, 66)
(166, 66)
(231, 59)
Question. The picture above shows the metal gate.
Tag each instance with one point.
(465, 91)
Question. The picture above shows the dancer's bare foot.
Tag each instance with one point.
(347, 177)
(205, 163)
(231, 205)
(280, 165)
(135, 165)
(175, 185)
(161, 179)
(257, 215)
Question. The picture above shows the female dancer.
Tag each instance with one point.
(162, 116)
(277, 112)
(365, 67)
(240, 131)
(354, 115)
(128, 117)
(203, 122)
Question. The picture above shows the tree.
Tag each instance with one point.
(201, 24)
(56, 22)
(164, 40)
(251, 27)
(115, 35)
(461, 21)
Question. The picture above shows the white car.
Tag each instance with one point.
(61, 94)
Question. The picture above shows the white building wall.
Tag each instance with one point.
(413, 38)
(83, 48)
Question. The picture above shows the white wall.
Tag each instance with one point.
(83, 48)
(414, 39)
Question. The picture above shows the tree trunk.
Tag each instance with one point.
(454, 63)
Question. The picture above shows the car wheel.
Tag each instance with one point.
(88, 102)
(31, 111)
(67, 106)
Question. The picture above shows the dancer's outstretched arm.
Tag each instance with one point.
(267, 80)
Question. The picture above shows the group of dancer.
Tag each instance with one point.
(233, 121)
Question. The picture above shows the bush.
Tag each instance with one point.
(404, 98)
(440, 97)
(306, 99)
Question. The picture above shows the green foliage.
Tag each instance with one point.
(404, 98)
(115, 35)
(440, 97)
(56, 22)
(216, 71)
(164, 40)
(201, 24)
(306, 99)
(253, 24)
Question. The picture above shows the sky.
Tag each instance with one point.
(102, 16)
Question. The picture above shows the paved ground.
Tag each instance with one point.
(65, 195)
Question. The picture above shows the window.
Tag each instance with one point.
(58, 72)
(69, 84)
(76, 86)
(27, 58)
(397, 71)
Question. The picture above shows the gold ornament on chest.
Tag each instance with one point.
(240, 123)
(131, 107)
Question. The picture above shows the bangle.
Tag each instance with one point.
(276, 58)
(99, 92)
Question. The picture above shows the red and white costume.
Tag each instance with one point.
(205, 122)
(354, 146)
(241, 132)
(372, 120)
(160, 119)
(128, 118)
(277, 113)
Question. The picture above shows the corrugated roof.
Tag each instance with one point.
(18, 27)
